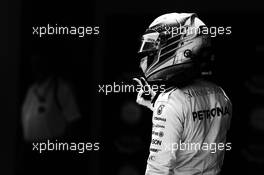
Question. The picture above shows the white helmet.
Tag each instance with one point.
(172, 46)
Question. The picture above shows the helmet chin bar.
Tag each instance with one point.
(175, 74)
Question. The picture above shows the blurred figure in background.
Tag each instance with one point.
(50, 104)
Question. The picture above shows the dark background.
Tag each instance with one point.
(111, 56)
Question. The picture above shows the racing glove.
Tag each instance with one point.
(146, 94)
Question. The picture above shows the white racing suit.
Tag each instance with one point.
(189, 131)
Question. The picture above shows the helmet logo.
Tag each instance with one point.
(187, 53)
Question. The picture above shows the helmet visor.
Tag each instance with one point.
(150, 42)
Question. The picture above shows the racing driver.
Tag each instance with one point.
(192, 116)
